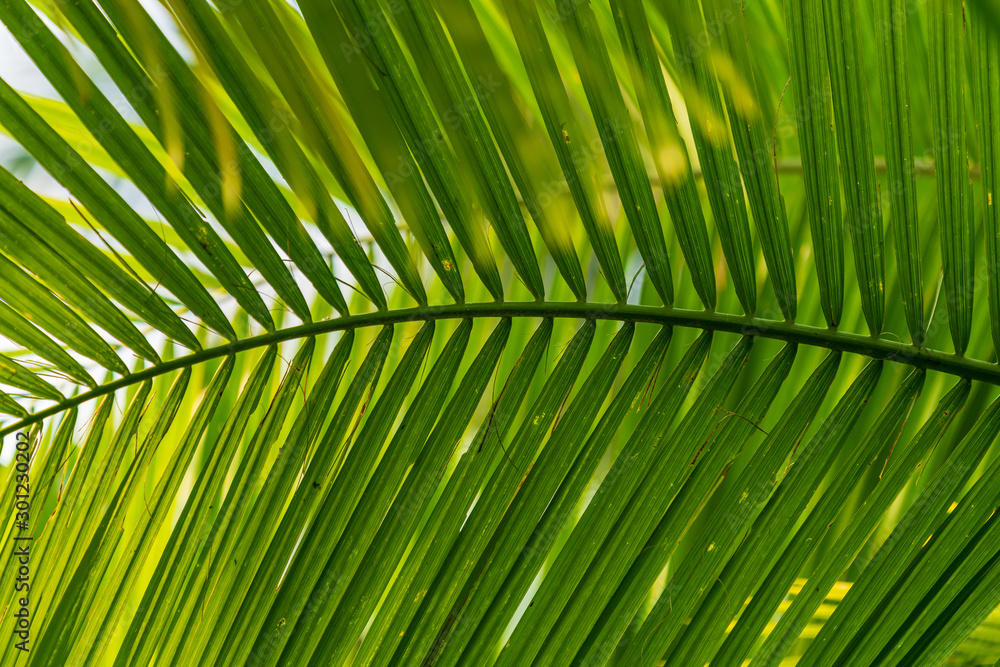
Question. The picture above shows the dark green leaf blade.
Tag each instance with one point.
(670, 155)
(533, 496)
(724, 531)
(620, 145)
(724, 441)
(857, 613)
(854, 142)
(386, 143)
(890, 32)
(712, 140)
(879, 438)
(609, 503)
(756, 552)
(486, 451)
(424, 638)
(456, 102)
(561, 126)
(404, 95)
(807, 58)
(531, 168)
(759, 177)
(271, 606)
(343, 563)
(946, 53)
(781, 514)
(363, 593)
(985, 49)
(896, 472)
(561, 508)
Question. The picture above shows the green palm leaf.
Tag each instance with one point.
(368, 332)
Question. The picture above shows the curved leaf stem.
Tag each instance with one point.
(748, 326)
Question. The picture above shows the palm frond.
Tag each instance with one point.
(438, 333)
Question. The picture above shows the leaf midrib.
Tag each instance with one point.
(831, 339)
